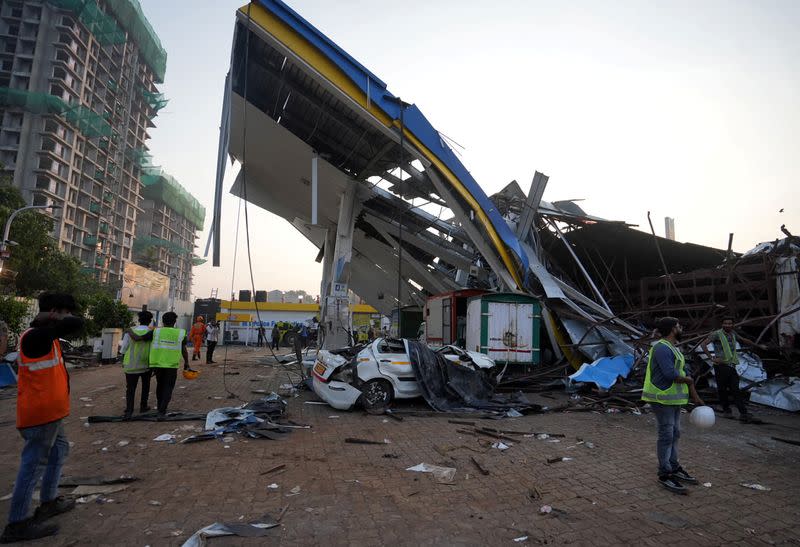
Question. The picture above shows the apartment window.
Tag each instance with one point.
(39, 199)
(70, 213)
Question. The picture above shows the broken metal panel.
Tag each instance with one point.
(538, 185)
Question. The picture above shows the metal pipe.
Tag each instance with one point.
(580, 265)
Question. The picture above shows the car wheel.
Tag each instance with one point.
(376, 396)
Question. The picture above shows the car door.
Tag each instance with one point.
(394, 364)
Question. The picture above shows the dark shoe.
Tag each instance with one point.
(26, 530)
(127, 416)
(161, 416)
(54, 507)
(672, 484)
(681, 475)
(143, 409)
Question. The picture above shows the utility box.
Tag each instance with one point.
(506, 327)
(111, 340)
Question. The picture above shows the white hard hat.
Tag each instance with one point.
(703, 417)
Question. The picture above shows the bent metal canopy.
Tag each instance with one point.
(293, 93)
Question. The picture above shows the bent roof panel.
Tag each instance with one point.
(414, 121)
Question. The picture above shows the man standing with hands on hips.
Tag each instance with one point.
(667, 388)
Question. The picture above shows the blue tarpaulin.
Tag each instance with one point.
(605, 371)
(7, 376)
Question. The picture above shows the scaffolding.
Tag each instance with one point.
(142, 244)
(107, 30)
(87, 121)
(162, 187)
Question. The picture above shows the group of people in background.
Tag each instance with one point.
(201, 332)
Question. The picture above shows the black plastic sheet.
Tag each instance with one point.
(450, 387)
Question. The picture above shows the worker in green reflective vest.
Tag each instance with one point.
(136, 364)
(725, 358)
(167, 347)
(667, 388)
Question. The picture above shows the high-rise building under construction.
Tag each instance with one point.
(77, 98)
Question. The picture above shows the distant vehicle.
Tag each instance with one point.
(376, 373)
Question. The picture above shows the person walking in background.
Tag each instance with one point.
(725, 359)
(212, 336)
(42, 405)
(261, 336)
(168, 346)
(196, 334)
(276, 336)
(667, 388)
(136, 364)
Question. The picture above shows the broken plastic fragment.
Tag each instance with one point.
(521, 539)
(500, 446)
(707, 484)
(441, 474)
(755, 486)
(545, 510)
(165, 437)
(272, 486)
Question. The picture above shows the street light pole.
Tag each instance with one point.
(4, 243)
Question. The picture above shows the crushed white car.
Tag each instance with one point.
(376, 373)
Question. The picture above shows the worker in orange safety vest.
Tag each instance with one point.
(42, 405)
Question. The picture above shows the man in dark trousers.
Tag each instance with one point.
(212, 337)
(136, 364)
(667, 388)
(167, 346)
(725, 360)
(42, 405)
(261, 336)
(276, 336)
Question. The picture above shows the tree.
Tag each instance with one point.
(104, 312)
(12, 311)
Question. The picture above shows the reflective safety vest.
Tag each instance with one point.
(729, 354)
(137, 356)
(165, 350)
(676, 394)
(42, 387)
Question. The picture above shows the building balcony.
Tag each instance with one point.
(90, 241)
(94, 207)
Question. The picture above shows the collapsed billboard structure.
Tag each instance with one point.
(396, 216)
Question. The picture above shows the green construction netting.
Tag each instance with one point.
(141, 244)
(160, 186)
(129, 16)
(129, 13)
(197, 261)
(156, 100)
(102, 26)
(85, 120)
(140, 156)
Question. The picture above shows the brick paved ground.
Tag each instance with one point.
(357, 495)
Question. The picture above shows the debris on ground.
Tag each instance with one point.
(165, 437)
(444, 475)
(545, 510)
(96, 481)
(254, 529)
(479, 465)
(150, 417)
(520, 539)
(87, 489)
(353, 440)
(263, 418)
(275, 468)
(754, 486)
(500, 446)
